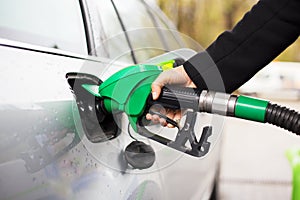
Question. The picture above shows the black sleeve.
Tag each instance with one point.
(235, 56)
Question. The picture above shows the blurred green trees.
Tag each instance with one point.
(204, 20)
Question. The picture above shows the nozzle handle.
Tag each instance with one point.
(177, 98)
(197, 147)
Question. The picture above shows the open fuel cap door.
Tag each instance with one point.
(98, 125)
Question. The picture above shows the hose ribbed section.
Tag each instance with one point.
(283, 117)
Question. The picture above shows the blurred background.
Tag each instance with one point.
(253, 161)
(204, 20)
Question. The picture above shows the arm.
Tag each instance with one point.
(235, 56)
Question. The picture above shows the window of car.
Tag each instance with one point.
(114, 43)
(133, 31)
(49, 23)
(146, 32)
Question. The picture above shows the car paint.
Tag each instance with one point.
(44, 153)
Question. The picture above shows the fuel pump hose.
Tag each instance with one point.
(244, 107)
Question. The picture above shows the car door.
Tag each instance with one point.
(41, 154)
(44, 153)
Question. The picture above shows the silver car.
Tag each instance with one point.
(45, 153)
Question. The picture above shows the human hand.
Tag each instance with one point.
(176, 76)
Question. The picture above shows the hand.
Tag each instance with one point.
(158, 114)
(176, 76)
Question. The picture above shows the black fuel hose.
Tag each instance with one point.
(283, 117)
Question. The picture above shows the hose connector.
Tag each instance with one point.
(217, 103)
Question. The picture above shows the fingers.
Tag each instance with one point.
(164, 78)
(174, 115)
(177, 116)
(173, 76)
(154, 118)
(156, 86)
(170, 114)
(176, 76)
(156, 89)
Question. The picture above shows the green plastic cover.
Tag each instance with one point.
(128, 89)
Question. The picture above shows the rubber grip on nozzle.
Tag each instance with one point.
(177, 98)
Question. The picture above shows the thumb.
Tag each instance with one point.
(156, 89)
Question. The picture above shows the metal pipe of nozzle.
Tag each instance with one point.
(217, 103)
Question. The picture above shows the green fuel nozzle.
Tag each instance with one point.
(129, 91)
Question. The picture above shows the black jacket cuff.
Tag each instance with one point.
(204, 73)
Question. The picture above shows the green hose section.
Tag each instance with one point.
(251, 108)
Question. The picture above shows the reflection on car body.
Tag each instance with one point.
(44, 152)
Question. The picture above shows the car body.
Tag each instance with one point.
(44, 152)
